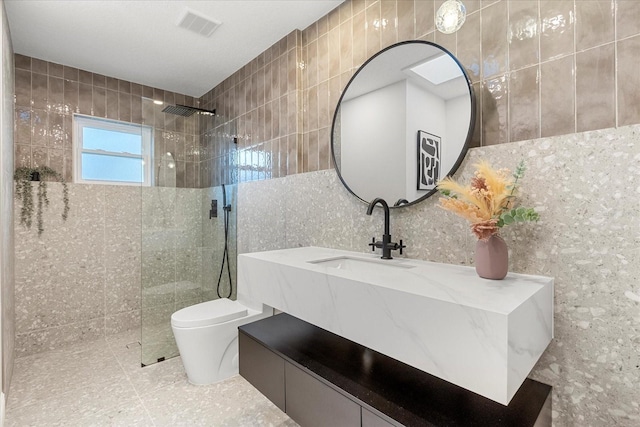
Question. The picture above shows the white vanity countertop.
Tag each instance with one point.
(446, 282)
(483, 335)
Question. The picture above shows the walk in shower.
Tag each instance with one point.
(185, 226)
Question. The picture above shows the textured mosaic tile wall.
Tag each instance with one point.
(48, 94)
(587, 239)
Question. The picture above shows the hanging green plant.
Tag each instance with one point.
(24, 176)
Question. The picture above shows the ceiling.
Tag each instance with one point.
(139, 40)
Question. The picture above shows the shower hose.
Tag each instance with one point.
(225, 255)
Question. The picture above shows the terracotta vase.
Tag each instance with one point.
(492, 258)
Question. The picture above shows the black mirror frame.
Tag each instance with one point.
(465, 147)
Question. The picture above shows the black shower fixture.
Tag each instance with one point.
(183, 110)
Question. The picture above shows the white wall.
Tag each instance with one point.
(457, 124)
(375, 136)
(426, 112)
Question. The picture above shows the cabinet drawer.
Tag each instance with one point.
(311, 403)
(369, 419)
(262, 368)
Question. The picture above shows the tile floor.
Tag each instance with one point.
(101, 383)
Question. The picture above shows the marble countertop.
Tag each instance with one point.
(445, 282)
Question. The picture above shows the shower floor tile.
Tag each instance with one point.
(101, 383)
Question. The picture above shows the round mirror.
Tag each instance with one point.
(403, 122)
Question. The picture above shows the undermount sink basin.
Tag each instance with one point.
(483, 335)
(363, 265)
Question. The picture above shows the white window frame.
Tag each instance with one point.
(80, 121)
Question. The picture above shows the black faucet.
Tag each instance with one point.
(386, 244)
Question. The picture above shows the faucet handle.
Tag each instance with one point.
(401, 246)
(373, 244)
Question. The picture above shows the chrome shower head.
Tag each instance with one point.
(183, 110)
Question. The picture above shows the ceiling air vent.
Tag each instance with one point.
(198, 23)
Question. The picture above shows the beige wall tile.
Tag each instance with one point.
(524, 34)
(322, 60)
(324, 148)
(595, 88)
(313, 152)
(594, 23)
(494, 39)
(70, 73)
(388, 22)
(56, 70)
(557, 88)
(311, 72)
(39, 66)
(22, 155)
(22, 62)
(425, 15)
(372, 30)
(448, 41)
(71, 93)
(85, 77)
(334, 19)
(359, 47)
(85, 99)
(99, 101)
(346, 41)
(39, 91)
(524, 104)
(23, 88)
(345, 11)
(101, 81)
(557, 24)
(472, 6)
(23, 129)
(52, 133)
(334, 51)
(112, 84)
(406, 20)
(56, 95)
(112, 105)
(627, 18)
(40, 127)
(628, 81)
(312, 106)
(468, 46)
(495, 101)
(323, 105)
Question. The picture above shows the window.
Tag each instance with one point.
(111, 152)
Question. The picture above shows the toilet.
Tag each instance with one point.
(207, 337)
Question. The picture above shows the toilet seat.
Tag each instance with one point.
(208, 313)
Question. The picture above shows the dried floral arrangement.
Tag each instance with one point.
(489, 201)
(24, 191)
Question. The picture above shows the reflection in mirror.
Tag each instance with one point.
(403, 122)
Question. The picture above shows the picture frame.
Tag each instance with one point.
(429, 160)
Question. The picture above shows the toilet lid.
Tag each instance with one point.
(208, 313)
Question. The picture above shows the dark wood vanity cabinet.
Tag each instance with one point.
(264, 369)
(321, 379)
(310, 402)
